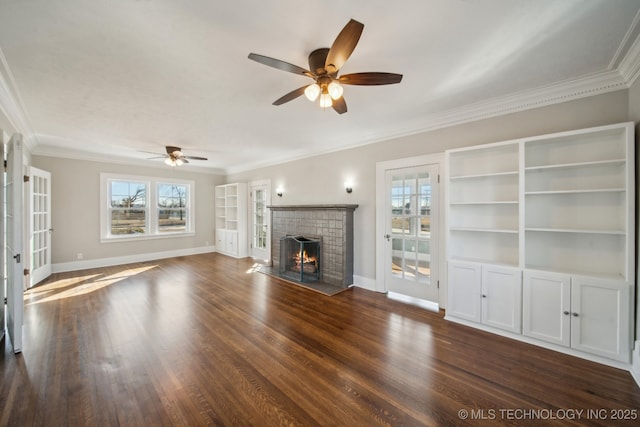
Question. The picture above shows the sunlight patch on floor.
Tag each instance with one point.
(255, 268)
(422, 303)
(79, 285)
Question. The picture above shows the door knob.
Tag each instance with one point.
(388, 237)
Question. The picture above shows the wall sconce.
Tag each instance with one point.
(279, 192)
(348, 187)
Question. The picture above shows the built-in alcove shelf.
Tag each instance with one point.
(540, 240)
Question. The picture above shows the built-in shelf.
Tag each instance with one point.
(572, 230)
(543, 227)
(592, 190)
(484, 175)
(483, 201)
(231, 223)
(483, 230)
(615, 162)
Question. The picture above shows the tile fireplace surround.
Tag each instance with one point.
(332, 223)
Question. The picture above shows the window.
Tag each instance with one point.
(144, 207)
(172, 208)
(128, 207)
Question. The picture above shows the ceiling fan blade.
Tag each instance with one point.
(339, 105)
(370, 79)
(194, 158)
(164, 156)
(343, 46)
(152, 152)
(280, 65)
(290, 96)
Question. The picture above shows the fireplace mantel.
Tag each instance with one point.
(332, 223)
(311, 207)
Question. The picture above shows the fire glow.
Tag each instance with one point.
(304, 262)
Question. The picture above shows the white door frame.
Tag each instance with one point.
(3, 282)
(267, 184)
(14, 243)
(381, 169)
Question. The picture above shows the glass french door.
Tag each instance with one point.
(260, 240)
(40, 224)
(411, 231)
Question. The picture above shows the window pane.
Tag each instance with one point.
(172, 196)
(172, 220)
(128, 221)
(128, 194)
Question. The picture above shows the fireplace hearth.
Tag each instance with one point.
(300, 258)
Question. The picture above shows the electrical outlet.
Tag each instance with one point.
(80, 256)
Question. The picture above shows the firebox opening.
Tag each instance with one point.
(300, 258)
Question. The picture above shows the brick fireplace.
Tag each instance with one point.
(332, 224)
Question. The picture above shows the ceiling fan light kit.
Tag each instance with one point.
(174, 156)
(324, 64)
(173, 162)
(312, 91)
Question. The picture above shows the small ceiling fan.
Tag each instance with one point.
(324, 64)
(175, 157)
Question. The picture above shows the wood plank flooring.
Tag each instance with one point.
(207, 340)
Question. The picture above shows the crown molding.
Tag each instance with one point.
(597, 84)
(12, 106)
(630, 64)
(45, 150)
(601, 83)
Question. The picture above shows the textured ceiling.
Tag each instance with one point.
(86, 79)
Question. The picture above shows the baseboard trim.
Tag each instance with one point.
(635, 362)
(582, 355)
(128, 259)
(364, 283)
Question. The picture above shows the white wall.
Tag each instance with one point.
(320, 179)
(75, 197)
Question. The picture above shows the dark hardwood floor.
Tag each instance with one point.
(207, 340)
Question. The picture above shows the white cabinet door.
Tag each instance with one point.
(546, 311)
(221, 240)
(232, 243)
(600, 317)
(502, 297)
(464, 290)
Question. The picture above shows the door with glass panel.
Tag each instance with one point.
(411, 231)
(40, 224)
(260, 238)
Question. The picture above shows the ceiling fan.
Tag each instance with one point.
(324, 64)
(175, 157)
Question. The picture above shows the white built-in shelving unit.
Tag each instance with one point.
(231, 219)
(577, 203)
(484, 204)
(540, 239)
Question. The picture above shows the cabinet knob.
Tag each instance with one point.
(575, 314)
(484, 296)
(566, 313)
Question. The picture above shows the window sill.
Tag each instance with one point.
(145, 237)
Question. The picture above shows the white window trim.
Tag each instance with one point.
(152, 208)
